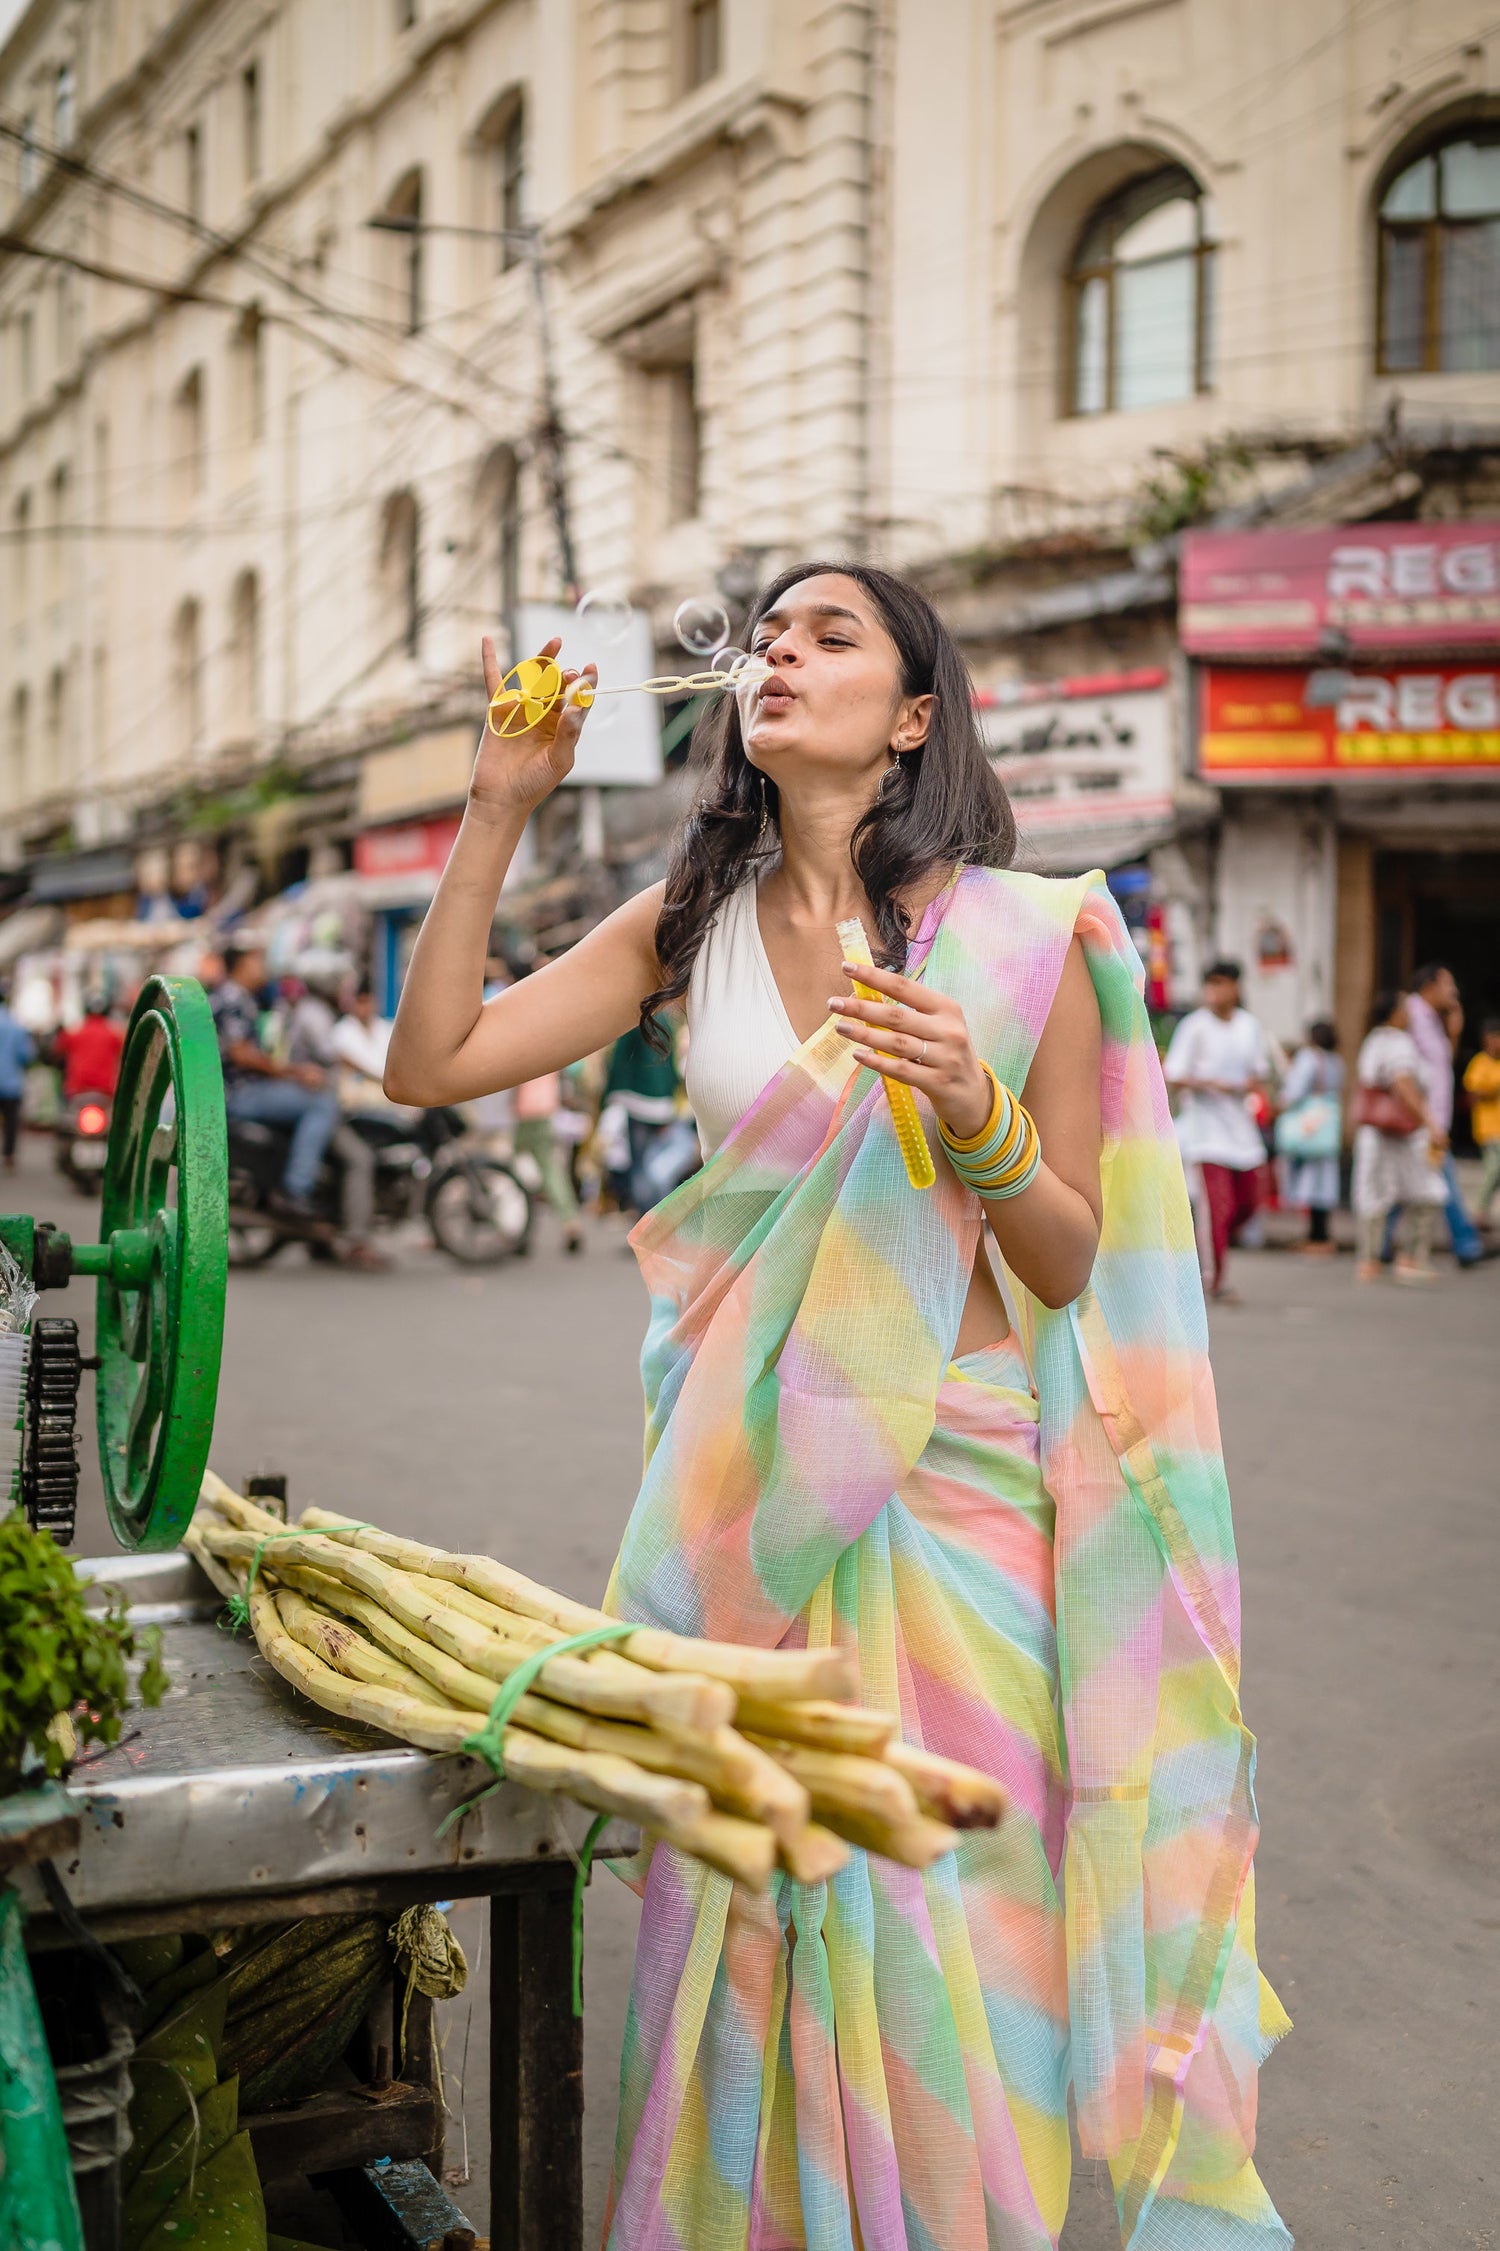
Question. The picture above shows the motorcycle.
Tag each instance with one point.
(82, 1138)
(476, 1208)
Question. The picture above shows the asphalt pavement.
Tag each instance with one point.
(501, 1411)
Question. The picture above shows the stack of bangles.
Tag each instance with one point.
(1005, 1155)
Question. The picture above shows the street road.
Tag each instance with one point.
(501, 1411)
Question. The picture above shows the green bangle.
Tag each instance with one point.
(1005, 1156)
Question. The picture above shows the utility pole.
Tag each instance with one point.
(549, 436)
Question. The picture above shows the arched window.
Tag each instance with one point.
(1439, 306)
(403, 215)
(401, 574)
(54, 749)
(501, 142)
(64, 105)
(500, 526)
(1140, 297)
(18, 771)
(244, 632)
(187, 679)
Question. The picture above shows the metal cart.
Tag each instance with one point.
(234, 1802)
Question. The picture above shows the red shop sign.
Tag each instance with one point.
(1408, 588)
(1256, 725)
(415, 848)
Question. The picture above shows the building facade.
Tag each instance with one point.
(345, 327)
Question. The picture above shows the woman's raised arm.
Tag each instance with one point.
(450, 1044)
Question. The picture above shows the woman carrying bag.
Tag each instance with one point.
(1310, 1132)
(1398, 1150)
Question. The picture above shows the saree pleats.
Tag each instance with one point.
(1030, 1555)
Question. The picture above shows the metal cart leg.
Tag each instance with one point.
(536, 2071)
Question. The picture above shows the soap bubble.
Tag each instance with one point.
(607, 615)
(730, 660)
(701, 625)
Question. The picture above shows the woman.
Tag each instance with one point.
(1309, 1133)
(1398, 1148)
(1020, 1532)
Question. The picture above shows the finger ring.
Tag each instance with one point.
(921, 1059)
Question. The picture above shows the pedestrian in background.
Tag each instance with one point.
(1398, 1146)
(1435, 1018)
(538, 1102)
(312, 1039)
(17, 1050)
(1310, 1131)
(1218, 1060)
(1482, 1085)
(642, 1095)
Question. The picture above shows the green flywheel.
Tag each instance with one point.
(163, 1265)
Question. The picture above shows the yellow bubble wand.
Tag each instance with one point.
(910, 1139)
(534, 687)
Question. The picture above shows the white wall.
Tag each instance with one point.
(1278, 866)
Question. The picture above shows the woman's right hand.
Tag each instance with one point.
(513, 773)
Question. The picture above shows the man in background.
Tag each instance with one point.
(1435, 1019)
(17, 1049)
(1218, 1059)
(262, 1090)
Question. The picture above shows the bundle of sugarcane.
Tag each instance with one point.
(746, 1758)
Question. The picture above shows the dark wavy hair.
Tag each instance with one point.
(941, 806)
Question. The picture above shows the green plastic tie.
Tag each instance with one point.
(487, 1743)
(237, 1609)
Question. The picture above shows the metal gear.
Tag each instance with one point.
(49, 1465)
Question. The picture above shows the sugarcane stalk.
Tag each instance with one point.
(741, 1849)
(605, 1781)
(248, 1515)
(218, 1574)
(460, 1684)
(779, 1673)
(915, 1843)
(740, 1778)
(615, 1688)
(822, 1725)
(947, 1790)
(839, 1783)
(813, 1855)
(347, 1650)
(431, 1727)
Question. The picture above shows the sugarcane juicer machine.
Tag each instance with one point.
(162, 1267)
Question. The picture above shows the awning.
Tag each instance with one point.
(1073, 851)
(27, 931)
(84, 875)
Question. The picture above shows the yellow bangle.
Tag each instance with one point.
(978, 1140)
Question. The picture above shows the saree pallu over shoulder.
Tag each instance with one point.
(805, 1307)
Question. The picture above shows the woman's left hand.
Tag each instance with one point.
(921, 1038)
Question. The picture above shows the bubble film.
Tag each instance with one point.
(701, 625)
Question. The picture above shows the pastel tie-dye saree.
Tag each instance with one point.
(1032, 1559)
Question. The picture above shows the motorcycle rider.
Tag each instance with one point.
(90, 1052)
(262, 1091)
(310, 1039)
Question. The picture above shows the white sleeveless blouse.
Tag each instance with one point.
(739, 1033)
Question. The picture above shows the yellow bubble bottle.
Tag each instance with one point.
(910, 1138)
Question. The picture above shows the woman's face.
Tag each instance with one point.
(1398, 1015)
(834, 699)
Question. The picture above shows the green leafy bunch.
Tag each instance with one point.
(63, 1676)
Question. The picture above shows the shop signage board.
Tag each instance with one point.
(414, 848)
(1084, 753)
(1394, 588)
(1256, 725)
